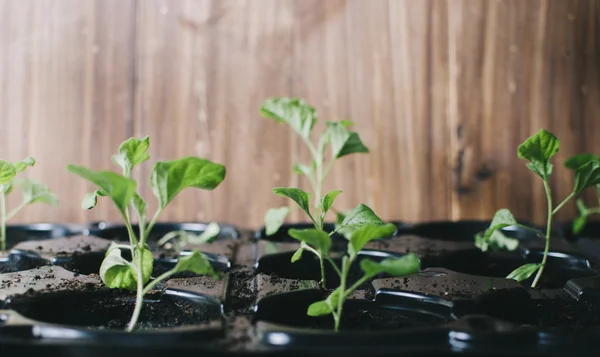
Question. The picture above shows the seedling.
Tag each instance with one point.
(366, 227)
(176, 240)
(342, 142)
(538, 150)
(33, 191)
(167, 179)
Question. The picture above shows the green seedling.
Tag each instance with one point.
(167, 179)
(366, 227)
(33, 191)
(176, 240)
(337, 136)
(538, 150)
(575, 163)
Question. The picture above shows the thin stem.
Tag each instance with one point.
(158, 280)
(139, 298)
(571, 195)
(328, 169)
(322, 263)
(593, 210)
(337, 270)
(153, 221)
(342, 296)
(548, 231)
(12, 213)
(356, 285)
(3, 218)
(132, 238)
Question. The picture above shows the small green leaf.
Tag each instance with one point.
(346, 232)
(292, 111)
(140, 206)
(327, 201)
(36, 192)
(297, 195)
(343, 141)
(324, 307)
(22, 165)
(313, 237)
(132, 151)
(274, 219)
(496, 241)
(407, 265)
(168, 178)
(579, 223)
(211, 231)
(538, 150)
(297, 255)
(119, 188)
(367, 233)
(579, 160)
(361, 215)
(587, 175)
(117, 273)
(197, 263)
(524, 272)
(7, 172)
(346, 123)
(90, 200)
(502, 219)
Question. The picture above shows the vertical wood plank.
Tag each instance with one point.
(65, 94)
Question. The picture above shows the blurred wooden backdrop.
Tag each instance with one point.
(442, 92)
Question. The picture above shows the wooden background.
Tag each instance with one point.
(442, 93)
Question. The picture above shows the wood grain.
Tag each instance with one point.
(441, 91)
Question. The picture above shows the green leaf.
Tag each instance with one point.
(579, 223)
(295, 194)
(140, 206)
(274, 219)
(36, 192)
(324, 307)
(406, 265)
(302, 169)
(346, 123)
(293, 111)
(524, 272)
(327, 201)
(22, 165)
(197, 263)
(538, 150)
(119, 188)
(168, 178)
(132, 151)
(361, 215)
(502, 219)
(496, 241)
(346, 232)
(90, 200)
(117, 273)
(313, 237)
(587, 175)
(7, 172)
(367, 233)
(343, 141)
(575, 162)
(297, 255)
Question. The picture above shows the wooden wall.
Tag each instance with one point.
(442, 92)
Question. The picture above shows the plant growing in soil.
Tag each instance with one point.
(167, 179)
(539, 150)
(33, 191)
(366, 227)
(176, 240)
(342, 142)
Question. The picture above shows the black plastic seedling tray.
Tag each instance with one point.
(52, 301)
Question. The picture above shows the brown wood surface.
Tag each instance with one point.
(442, 92)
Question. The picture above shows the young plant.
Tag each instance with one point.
(33, 191)
(178, 239)
(575, 163)
(167, 179)
(538, 150)
(367, 227)
(341, 141)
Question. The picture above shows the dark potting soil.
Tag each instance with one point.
(241, 293)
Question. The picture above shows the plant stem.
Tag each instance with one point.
(342, 296)
(322, 263)
(153, 221)
(158, 280)
(12, 213)
(3, 217)
(356, 285)
(548, 231)
(337, 270)
(139, 298)
(571, 195)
